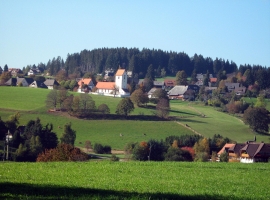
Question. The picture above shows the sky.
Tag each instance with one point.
(35, 31)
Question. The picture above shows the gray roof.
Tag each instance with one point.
(51, 82)
(178, 90)
(152, 91)
(12, 82)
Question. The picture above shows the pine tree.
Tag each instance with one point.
(69, 135)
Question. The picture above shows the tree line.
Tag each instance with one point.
(138, 61)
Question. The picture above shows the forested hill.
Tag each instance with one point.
(138, 61)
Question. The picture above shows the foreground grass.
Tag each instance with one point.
(134, 180)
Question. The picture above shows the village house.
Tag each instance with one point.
(248, 152)
(38, 84)
(15, 72)
(85, 85)
(33, 72)
(51, 83)
(183, 92)
(117, 88)
(169, 84)
(159, 84)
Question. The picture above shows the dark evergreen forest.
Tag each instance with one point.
(138, 61)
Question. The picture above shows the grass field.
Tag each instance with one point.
(134, 180)
(31, 104)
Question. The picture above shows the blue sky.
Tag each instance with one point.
(36, 31)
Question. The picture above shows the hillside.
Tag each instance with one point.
(30, 103)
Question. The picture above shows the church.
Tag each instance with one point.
(117, 88)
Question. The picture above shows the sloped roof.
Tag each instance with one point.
(11, 81)
(85, 81)
(237, 147)
(120, 72)
(227, 145)
(29, 80)
(178, 90)
(105, 85)
(252, 148)
(39, 84)
(50, 82)
(152, 91)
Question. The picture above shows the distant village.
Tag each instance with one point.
(117, 84)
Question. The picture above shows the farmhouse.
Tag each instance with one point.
(51, 83)
(117, 88)
(248, 152)
(183, 92)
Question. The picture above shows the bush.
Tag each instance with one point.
(201, 157)
(63, 152)
(98, 148)
(114, 158)
(107, 149)
(176, 154)
(224, 157)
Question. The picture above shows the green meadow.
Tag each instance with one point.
(30, 102)
(134, 180)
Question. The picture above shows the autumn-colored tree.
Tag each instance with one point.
(190, 150)
(138, 97)
(5, 76)
(175, 144)
(63, 152)
(202, 146)
(141, 151)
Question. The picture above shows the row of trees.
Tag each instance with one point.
(176, 148)
(138, 61)
(83, 105)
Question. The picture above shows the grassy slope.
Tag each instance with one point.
(108, 131)
(134, 180)
(102, 131)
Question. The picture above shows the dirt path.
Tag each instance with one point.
(188, 127)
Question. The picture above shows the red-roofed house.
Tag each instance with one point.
(85, 84)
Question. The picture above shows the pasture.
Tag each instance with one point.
(30, 102)
(134, 180)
